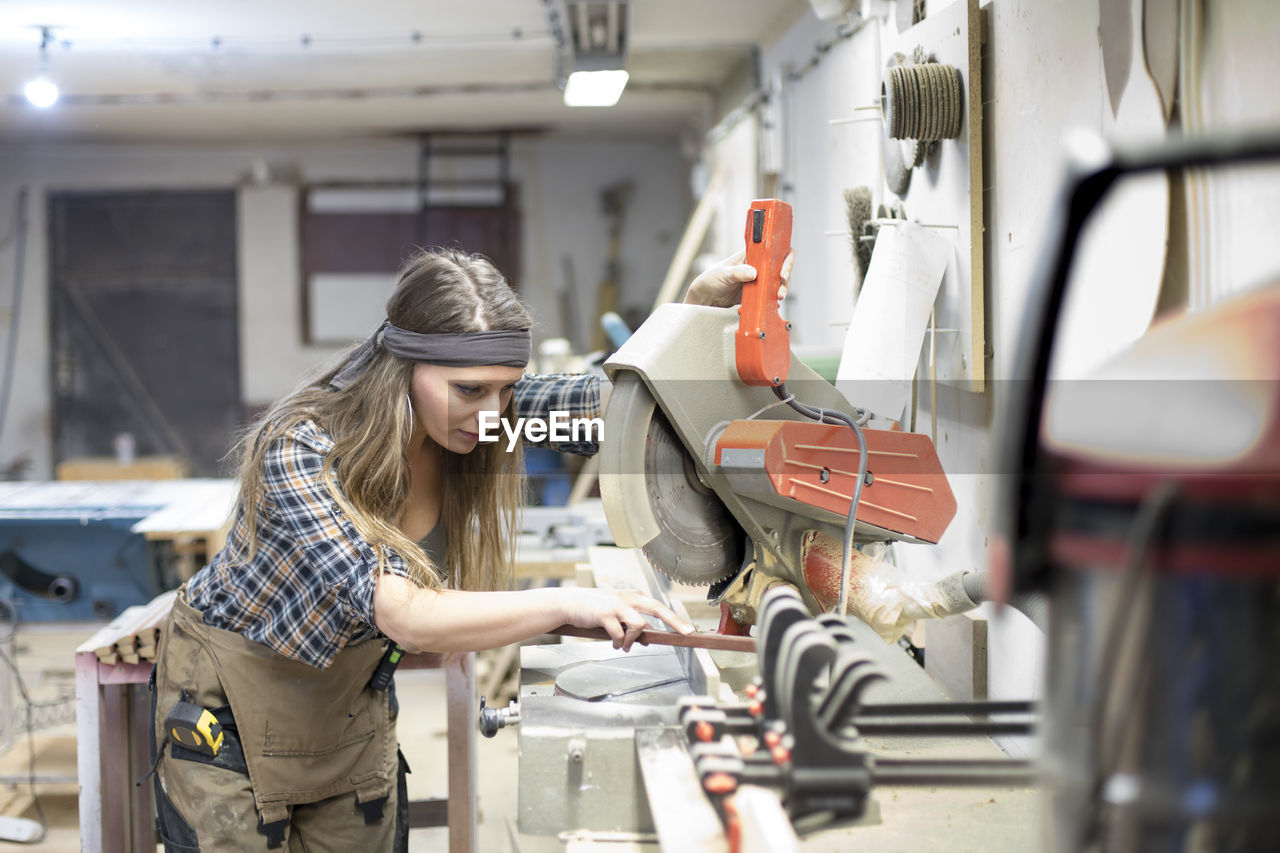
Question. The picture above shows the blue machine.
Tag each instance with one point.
(68, 550)
(549, 480)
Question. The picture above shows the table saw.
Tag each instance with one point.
(602, 741)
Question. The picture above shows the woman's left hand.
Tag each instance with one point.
(721, 284)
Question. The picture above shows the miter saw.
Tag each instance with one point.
(734, 465)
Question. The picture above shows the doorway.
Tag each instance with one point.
(145, 338)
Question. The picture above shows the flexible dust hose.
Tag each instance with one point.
(975, 586)
(828, 416)
(1035, 606)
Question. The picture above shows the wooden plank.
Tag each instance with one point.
(690, 241)
(109, 468)
(547, 562)
(88, 750)
(432, 812)
(115, 787)
(956, 655)
(199, 508)
(139, 618)
(765, 825)
(104, 639)
(122, 673)
(684, 818)
(648, 636)
(460, 698)
(142, 809)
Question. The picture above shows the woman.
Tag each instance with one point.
(367, 508)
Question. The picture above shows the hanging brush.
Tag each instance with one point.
(857, 206)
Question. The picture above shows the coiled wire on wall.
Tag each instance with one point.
(922, 102)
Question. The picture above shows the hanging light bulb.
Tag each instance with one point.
(41, 91)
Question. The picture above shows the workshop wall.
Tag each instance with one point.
(1043, 74)
(561, 181)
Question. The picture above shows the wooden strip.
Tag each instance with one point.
(129, 623)
(719, 642)
(694, 233)
(124, 673)
(682, 814)
(89, 742)
(460, 701)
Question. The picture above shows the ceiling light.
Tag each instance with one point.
(594, 88)
(41, 91)
(599, 31)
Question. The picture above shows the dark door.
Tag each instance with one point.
(144, 325)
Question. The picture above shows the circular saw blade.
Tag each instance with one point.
(700, 542)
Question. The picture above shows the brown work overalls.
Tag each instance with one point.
(311, 762)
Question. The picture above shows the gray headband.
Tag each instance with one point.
(507, 347)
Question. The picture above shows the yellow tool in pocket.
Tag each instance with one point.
(194, 728)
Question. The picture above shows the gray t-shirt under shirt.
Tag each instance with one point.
(436, 546)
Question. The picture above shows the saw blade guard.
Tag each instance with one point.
(697, 540)
(622, 488)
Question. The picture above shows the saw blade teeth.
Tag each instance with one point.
(675, 574)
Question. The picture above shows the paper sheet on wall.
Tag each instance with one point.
(882, 346)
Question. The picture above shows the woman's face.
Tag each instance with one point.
(447, 401)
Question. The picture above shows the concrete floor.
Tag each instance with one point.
(43, 654)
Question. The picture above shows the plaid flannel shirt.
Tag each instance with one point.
(308, 590)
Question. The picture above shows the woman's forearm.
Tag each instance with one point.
(457, 621)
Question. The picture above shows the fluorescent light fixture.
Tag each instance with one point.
(41, 92)
(595, 88)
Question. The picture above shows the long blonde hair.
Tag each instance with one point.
(367, 473)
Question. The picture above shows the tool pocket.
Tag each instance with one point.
(175, 832)
(303, 736)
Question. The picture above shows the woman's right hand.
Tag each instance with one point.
(620, 612)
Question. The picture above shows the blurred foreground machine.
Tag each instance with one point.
(1146, 501)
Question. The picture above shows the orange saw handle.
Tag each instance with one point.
(763, 351)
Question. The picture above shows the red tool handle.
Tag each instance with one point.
(763, 353)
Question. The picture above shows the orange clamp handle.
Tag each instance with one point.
(763, 350)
